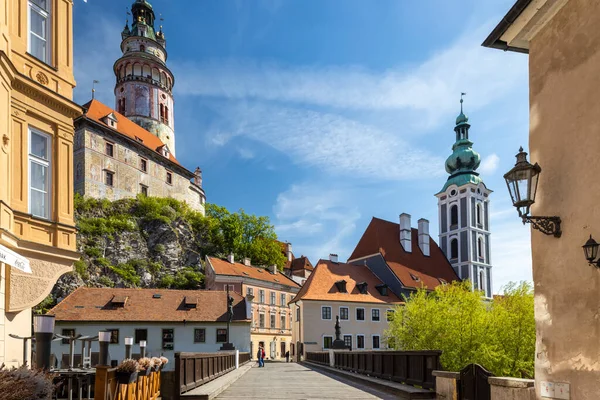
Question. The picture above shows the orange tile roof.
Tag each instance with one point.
(300, 263)
(96, 111)
(321, 284)
(384, 237)
(94, 304)
(224, 267)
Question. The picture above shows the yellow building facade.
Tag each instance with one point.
(37, 230)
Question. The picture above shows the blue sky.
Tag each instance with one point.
(324, 113)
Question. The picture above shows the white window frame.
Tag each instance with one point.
(363, 336)
(282, 321)
(262, 313)
(231, 287)
(32, 7)
(378, 337)
(348, 313)
(330, 313)
(330, 337)
(351, 339)
(250, 291)
(273, 298)
(273, 320)
(261, 296)
(44, 163)
(282, 299)
(372, 320)
(356, 314)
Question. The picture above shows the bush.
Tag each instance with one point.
(22, 383)
(93, 252)
(102, 262)
(81, 269)
(128, 273)
(159, 248)
(105, 281)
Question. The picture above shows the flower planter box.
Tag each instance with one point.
(126, 378)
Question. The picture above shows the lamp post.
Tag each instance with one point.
(104, 340)
(128, 344)
(43, 329)
(522, 182)
(142, 348)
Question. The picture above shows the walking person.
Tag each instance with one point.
(287, 356)
(260, 354)
(263, 357)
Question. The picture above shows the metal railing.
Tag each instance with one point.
(410, 367)
(196, 369)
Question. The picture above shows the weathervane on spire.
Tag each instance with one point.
(461, 100)
(94, 87)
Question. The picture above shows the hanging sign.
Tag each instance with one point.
(14, 260)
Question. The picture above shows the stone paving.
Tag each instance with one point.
(279, 380)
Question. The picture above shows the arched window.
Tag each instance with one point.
(482, 281)
(155, 74)
(137, 69)
(163, 78)
(454, 248)
(147, 71)
(128, 70)
(166, 115)
(480, 247)
(142, 47)
(453, 215)
(162, 113)
(478, 214)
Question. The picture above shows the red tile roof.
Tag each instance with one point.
(224, 267)
(384, 237)
(97, 304)
(321, 284)
(96, 111)
(298, 264)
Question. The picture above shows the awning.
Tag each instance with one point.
(14, 260)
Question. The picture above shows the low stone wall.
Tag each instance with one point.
(512, 388)
(446, 385)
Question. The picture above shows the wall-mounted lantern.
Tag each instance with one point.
(590, 249)
(522, 182)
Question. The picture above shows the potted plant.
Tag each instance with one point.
(164, 361)
(127, 371)
(145, 365)
(157, 363)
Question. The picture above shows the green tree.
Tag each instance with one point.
(500, 335)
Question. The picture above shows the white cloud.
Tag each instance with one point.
(489, 165)
(316, 219)
(245, 153)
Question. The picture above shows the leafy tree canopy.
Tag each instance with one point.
(500, 335)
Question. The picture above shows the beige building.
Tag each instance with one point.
(351, 292)
(37, 231)
(563, 42)
(271, 290)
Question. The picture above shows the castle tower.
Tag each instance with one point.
(463, 206)
(144, 88)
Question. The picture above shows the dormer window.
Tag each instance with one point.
(362, 287)
(110, 120)
(164, 150)
(341, 286)
(189, 302)
(382, 289)
(118, 301)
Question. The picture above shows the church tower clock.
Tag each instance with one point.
(144, 88)
(463, 206)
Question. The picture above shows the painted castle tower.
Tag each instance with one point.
(463, 206)
(144, 89)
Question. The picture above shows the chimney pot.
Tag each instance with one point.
(289, 251)
(273, 269)
(405, 232)
(247, 262)
(231, 258)
(333, 258)
(424, 236)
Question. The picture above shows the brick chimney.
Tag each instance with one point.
(231, 258)
(405, 232)
(424, 236)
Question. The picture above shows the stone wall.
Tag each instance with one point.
(512, 388)
(92, 164)
(446, 385)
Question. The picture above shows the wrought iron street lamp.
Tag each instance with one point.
(522, 182)
(590, 249)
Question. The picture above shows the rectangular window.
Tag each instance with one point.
(325, 312)
(348, 341)
(144, 164)
(231, 288)
(114, 336)
(360, 314)
(168, 339)
(327, 342)
(261, 320)
(360, 341)
(374, 314)
(169, 178)
(109, 178)
(273, 321)
(110, 149)
(261, 296)
(250, 291)
(344, 313)
(298, 314)
(140, 334)
(282, 299)
(69, 333)
(221, 335)
(273, 296)
(39, 30)
(282, 322)
(199, 335)
(375, 341)
(390, 315)
(144, 190)
(40, 174)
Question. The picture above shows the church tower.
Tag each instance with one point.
(144, 89)
(463, 206)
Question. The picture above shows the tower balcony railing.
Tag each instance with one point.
(144, 79)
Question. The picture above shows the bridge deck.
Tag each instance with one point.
(279, 380)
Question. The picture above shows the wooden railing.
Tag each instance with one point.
(195, 369)
(146, 387)
(410, 367)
